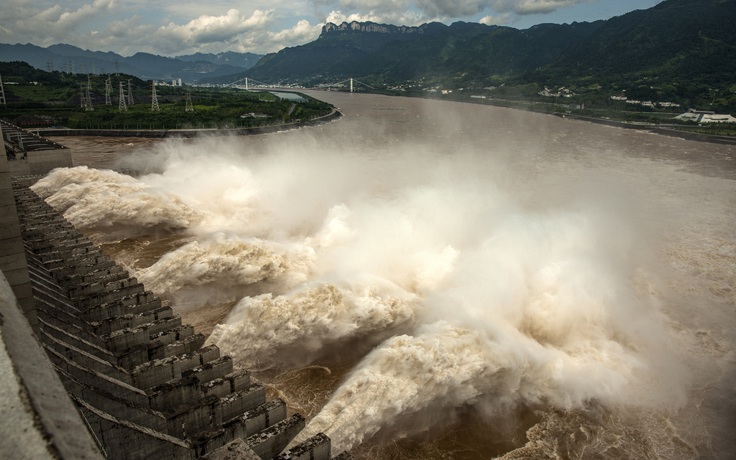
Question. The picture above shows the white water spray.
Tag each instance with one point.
(505, 303)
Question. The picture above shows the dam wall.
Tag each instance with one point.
(12, 252)
(30, 154)
(127, 378)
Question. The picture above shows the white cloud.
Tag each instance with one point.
(426, 10)
(209, 29)
(272, 41)
(84, 13)
(407, 18)
(450, 8)
(46, 22)
(497, 20)
(531, 6)
(302, 30)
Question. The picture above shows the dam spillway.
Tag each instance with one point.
(144, 385)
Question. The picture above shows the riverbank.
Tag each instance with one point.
(657, 129)
(188, 133)
(670, 130)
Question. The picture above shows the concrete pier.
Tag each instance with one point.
(29, 153)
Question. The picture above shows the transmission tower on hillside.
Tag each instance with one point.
(189, 106)
(154, 99)
(82, 95)
(108, 91)
(2, 91)
(130, 94)
(121, 104)
(87, 97)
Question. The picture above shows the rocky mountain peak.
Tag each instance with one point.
(370, 27)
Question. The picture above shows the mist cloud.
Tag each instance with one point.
(473, 297)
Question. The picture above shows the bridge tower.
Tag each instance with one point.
(351, 84)
(246, 84)
(2, 91)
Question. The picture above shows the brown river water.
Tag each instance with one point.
(436, 280)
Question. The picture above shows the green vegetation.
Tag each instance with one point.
(36, 98)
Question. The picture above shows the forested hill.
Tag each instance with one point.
(691, 40)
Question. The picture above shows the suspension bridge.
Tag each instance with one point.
(248, 83)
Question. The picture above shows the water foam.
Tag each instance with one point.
(311, 316)
(500, 304)
(92, 198)
(227, 261)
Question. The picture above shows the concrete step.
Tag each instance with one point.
(159, 371)
(271, 441)
(179, 341)
(117, 323)
(113, 273)
(124, 339)
(316, 447)
(132, 305)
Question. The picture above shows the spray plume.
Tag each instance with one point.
(503, 303)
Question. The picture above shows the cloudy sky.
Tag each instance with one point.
(175, 27)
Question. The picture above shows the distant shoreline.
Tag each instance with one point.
(670, 132)
(664, 130)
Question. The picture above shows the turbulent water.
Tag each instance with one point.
(424, 279)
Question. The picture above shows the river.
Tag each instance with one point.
(425, 279)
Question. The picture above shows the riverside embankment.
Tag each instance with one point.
(665, 130)
(164, 133)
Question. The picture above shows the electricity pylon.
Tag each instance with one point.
(87, 97)
(154, 99)
(130, 94)
(121, 104)
(189, 106)
(108, 91)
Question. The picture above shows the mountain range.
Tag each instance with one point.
(690, 41)
(190, 68)
(678, 49)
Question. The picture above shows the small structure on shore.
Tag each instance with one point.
(705, 116)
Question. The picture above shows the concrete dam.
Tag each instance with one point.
(95, 365)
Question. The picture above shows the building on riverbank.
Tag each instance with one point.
(705, 116)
